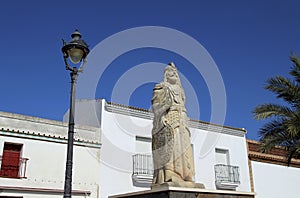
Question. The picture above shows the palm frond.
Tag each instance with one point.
(284, 127)
(284, 88)
(268, 110)
(295, 71)
(292, 126)
(271, 129)
(270, 142)
(293, 151)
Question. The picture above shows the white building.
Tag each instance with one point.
(220, 153)
(121, 162)
(33, 158)
(270, 175)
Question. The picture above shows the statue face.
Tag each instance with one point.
(171, 76)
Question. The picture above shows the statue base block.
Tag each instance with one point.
(180, 184)
(177, 192)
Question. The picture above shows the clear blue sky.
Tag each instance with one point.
(250, 41)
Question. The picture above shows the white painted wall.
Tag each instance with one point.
(119, 133)
(205, 143)
(275, 181)
(119, 145)
(47, 156)
(92, 112)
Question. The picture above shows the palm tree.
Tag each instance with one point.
(283, 126)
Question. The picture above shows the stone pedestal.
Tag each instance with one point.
(176, 192)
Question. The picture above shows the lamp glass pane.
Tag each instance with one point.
(75, 55)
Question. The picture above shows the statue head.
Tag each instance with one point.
(171, 74)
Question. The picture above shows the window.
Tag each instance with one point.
(12, 165)
(143, 145)
(226, 176)
(222, 156)
(142, 163)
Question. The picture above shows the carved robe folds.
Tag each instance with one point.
(171, 147)
(172, 153)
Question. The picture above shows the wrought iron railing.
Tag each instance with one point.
(13, 170)
(142, 164)
(227, 173)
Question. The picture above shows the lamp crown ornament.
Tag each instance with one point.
(76, 34)
(76, 49)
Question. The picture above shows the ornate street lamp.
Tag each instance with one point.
(77, 50)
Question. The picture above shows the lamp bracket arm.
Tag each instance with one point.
(68, 67)
(83, 64)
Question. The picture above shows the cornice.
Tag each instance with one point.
(197, 124)
(277, 157)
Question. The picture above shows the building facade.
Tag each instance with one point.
(33, 158)
(270, 174)
(220, 153)
(112, 155)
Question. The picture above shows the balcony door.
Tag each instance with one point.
(222, 156)
(11, 160)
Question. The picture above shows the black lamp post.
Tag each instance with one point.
(77, 50)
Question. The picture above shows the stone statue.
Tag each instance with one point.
(171, 147)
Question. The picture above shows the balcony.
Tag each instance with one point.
(142, 170)
(12, 167)
(227, 177)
